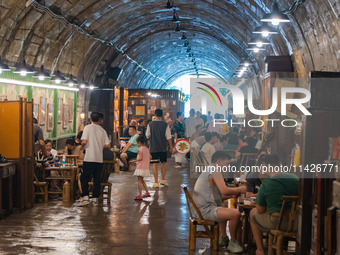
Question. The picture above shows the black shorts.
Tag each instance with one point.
(162, 156)
(131, 155)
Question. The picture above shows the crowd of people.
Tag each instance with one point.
(152, 142)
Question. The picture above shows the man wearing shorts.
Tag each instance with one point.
(268, 201)
(158, 132)
(210, 185)
(131, 149)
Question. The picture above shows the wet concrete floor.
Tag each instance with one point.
(156, 225)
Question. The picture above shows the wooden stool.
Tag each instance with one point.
(104, 191)
(116, 166)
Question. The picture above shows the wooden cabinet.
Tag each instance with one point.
(7, 171)
(16, 143)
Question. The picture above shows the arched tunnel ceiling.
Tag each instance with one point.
(217, 30)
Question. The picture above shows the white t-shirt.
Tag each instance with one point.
(208, 150)
(54, 153)
(96, 138)
(190, 126)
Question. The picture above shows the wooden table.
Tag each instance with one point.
(246, 233)
(67, 173)
(7, 171)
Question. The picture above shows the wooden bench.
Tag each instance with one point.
(211, 230)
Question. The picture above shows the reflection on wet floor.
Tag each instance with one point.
(156, 225)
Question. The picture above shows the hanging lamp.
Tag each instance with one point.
(276, 16)
(41, 74)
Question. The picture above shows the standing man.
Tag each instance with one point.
(130, 150)
(209, 117)
(39, 136)
(94, 140)
(198, 119)
(159, 134)
(190, 124)
(179, 131)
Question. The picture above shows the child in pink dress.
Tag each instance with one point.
(142, 167)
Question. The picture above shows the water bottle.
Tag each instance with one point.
(56, 162)
(63, 160)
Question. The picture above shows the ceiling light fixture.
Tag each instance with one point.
(258, 41)
(265, 30)
(178, 28)
(175, 18)
(168, 5)
(275, 17)
(71, 82)
(23, 69)
(255, 49)
(35, 84)
(41, 74)
(58, 78)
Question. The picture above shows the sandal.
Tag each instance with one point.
(147, 194)
(139, 197)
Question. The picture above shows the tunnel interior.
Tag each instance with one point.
(84, 38)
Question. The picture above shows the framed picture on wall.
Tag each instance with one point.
(65, 119)
(50, 111)
(60, 110)
(70, 110)
(36, 111)
(42, 110)
(140, 110)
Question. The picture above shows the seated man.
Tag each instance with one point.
(249, 148)
(198, 132)
(254, 179)
(126, 133)
(268, 201)
(203, 195)
(208, 148)
(131, 149)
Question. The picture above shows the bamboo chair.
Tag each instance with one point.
(43, 188)
(211, 230)
(247, 158)
(70, 159)
(277, 236)
(232, 153)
